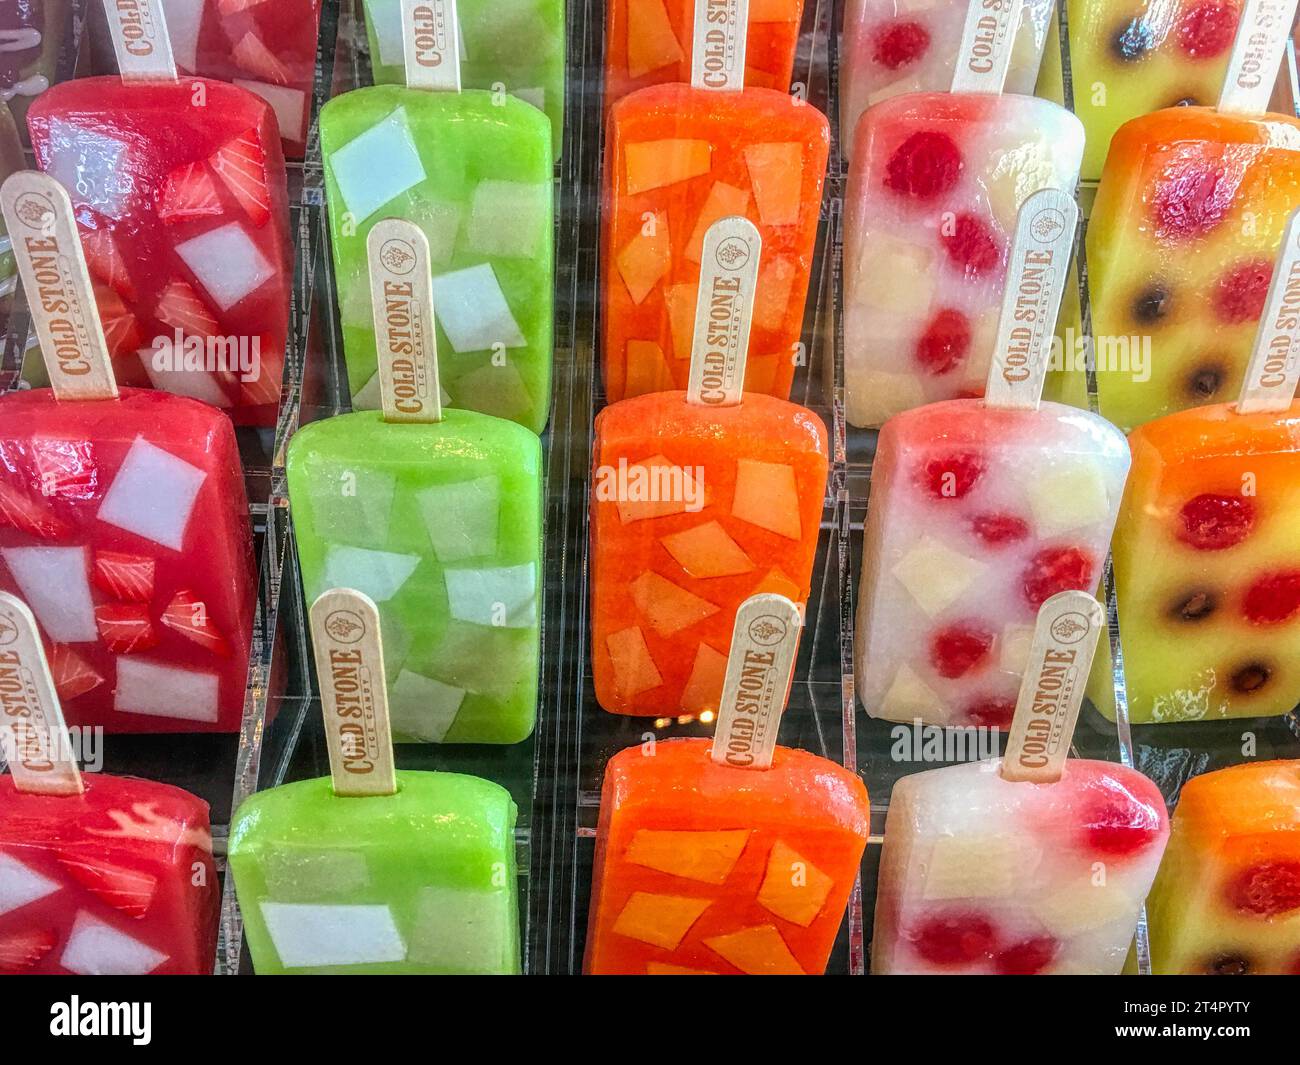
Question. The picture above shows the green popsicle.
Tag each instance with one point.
(421, 881)
(11, 159)
(440, 524)
(473, 171)
(516, 46)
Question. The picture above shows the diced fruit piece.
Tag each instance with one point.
(1116, 822)
(647, 370)
(98, 949)
(145, 687)
(1273, 599)
(241, 164)
(1069, 496)
(473, 311)
(122, 330)
(651, 43)
(952, 476)
(153, 494)
(105, 261)
(1057, 569)
(227, 263)
(659, 968)
(23, 948)
(977, 866)
(251, 54)
(767, 496)
(793, 888)
(21, 885)
(654, 164)
(757, 951)
(707, 857)
(644, 261)
(772, 299)
(972, 247)
(703, 688)
(722, 201)
(953, 937)
(654, 474)
(424, 708)
(124, 576)
(660, 920)
(508, 218)
(896, 276)
(1240, 294)
(666, 607)
(1029, 957)
(73, 675)
(182, 308)
(681, 316)
(707, 551)
(1013, 654)
(129, 891)
(778, 583)
(942, 347)
(899, 44)
(999, 530)
(909, 696)
(125, 627)
(190, 193)
(1207, 29)
(925, 166)
(188, 615)
(960, 647)
(65, 469)
(462, 518)
(1084, 906)
(634, 669)
(26, 513)
(776, 176)
(936, 575)
(363, 189)
(991, 713)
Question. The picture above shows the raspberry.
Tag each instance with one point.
(954, 937)
(972, 247)
(952, 476)
(1029, 957)
(925, 165)
(1194, 200)
(1273, 599)
(998, 530)
(1057, 569)
(1207, 29)
(1240, 294)
(1115, 821)
(957, 649)
(1267, 889)
(900, 43)
(992, 713)
(943, 345)
(1214, 522)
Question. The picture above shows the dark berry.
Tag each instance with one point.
(958, 648)
(1194, 606)
(1251, 678)
(972, 247)
(1229, 965)
(1211, 522)
(900, 43)
(1191, 202)
(1151, 304)
(1057, 569)
(1207, 29)
(1205, 381)
(1273, 599)
(954, 938)
(1115, 821)
(1239, 296)
(1132, 41)
(925, 165)
(943, 345)
(1186, 101)
(952, 476)
(1267, 889)
(992, 713)
(998, 530)
(1029, 957)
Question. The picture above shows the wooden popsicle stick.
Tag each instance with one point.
(140, 39)
(1273, 372)
(721, 29)
(1038, 267)
(988, 37)
(354, 698)
(401, 294)
(33, 736)
(1060, 657)
(1256, 56)
(760, 669)
(724, 312)
(59, 292)
(429, 43)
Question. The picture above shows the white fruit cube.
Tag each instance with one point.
(936, 575)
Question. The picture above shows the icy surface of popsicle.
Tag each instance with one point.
(518, 44)
(709, 869)
(678, 159)
(649, 42)
(1227, 899)
(422, 881)
(694, 509)
(1181, 244)
(934, 190)
(891, 47)
(977, 517)
(474, 173)
(124, 526)
(116, 881)
(184, 219)
(1207, 567)
(983, 875)
(440, 524)
(32, 34)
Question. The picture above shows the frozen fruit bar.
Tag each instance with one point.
(694, 509)
(649, 42)
(891, 47)
(704, 868)
(124, 526)
(934, 190)
(1207, 567)
(1181, 246)
(32, 35)
(982, 875)
(265, 46)
(422, 881)
(518, 44)
(474, 173)
(184, 220)
(1133, 57)
(440, 524)
(118, 880)
(1227, 900)
(977, 517)
(677, 160)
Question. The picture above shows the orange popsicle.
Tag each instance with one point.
(737, 511)
(677, 160)
(704, 868)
